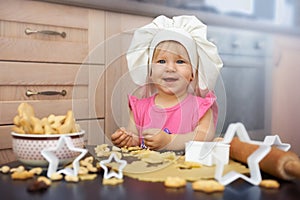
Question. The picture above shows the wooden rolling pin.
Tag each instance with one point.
(278, 163)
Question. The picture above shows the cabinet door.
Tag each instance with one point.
(43, 32)
(96, 37)
(96, 91)
(17, 79)
(51, 48)
(286, 92)
(5, 137)
(6, 152)
(96, 132)
(119, 32)
(94, 135)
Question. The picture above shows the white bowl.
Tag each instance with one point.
(28, 147)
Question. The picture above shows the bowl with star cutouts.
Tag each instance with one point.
(28, 148)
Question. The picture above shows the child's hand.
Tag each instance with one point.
(121, 138)
(156, 139)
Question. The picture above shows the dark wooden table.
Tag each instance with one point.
(134, 189)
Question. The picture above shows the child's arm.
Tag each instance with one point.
(131, 127)
(203, 132)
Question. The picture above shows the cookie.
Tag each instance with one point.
(269, 183)
(87, 177)
(207, 186)
(112, 181)
(23, 175)
(174, 182)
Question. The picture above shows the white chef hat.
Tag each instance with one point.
(188, 31)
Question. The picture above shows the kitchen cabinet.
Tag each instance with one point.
(51, 47)
(119, 32)
(20, 42)
(286, 92)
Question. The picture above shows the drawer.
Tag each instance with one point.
(47, 44)
(94, 133)
(8, 110)
(23, 73)
(6, 156)
(5, 137)
(6, 152)
(17, 78)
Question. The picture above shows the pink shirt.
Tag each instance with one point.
(181, 118)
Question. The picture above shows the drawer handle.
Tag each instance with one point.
(28, 31)
(30, 93)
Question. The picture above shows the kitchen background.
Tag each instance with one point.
(259, 42)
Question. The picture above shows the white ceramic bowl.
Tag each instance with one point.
(28, 147)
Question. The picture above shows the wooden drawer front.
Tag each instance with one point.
(6, 156)
(44, 108)
(15, 73)
(42, 48)
(5, 137)
(17, 78)
(89, 126)
(94, 133)
(38, 47)
(6, 153)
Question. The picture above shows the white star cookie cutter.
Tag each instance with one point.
(252, 161)
(49, 155)
(274, 140)
(111, 174)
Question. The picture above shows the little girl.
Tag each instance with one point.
(174, 57)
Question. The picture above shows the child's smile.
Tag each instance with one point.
(170, 79)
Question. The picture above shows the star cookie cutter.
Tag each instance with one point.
(107, 174)
(49, 155)
(252, 161)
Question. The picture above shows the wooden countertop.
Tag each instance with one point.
(134, 189)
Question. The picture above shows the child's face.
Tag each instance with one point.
(171, 68)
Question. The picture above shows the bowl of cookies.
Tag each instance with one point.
(31, 135)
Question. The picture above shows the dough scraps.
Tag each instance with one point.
(153, 166)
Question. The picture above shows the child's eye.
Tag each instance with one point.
(180, 62)
(161, 61)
